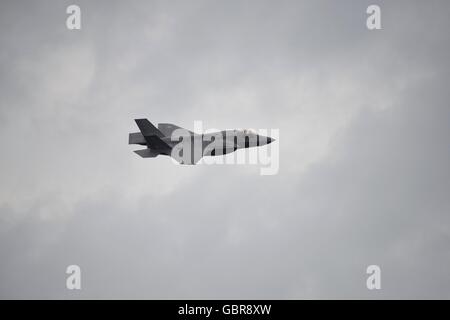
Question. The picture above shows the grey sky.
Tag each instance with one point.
(364, 154)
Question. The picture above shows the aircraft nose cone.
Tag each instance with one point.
(270, 140)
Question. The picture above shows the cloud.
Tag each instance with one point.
(363, 153)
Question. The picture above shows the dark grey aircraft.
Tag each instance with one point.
(188, 147)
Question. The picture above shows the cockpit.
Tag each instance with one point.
(249, 131)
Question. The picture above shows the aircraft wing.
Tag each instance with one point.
(167, 129)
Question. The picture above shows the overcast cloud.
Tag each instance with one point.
(364, 176)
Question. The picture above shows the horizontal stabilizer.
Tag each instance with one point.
(146, 153)
(136, 138)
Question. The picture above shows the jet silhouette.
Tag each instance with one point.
(188, 147)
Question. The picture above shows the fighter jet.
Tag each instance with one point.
(188, 147)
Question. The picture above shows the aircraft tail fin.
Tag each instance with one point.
(147, 128)
(151, 135)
